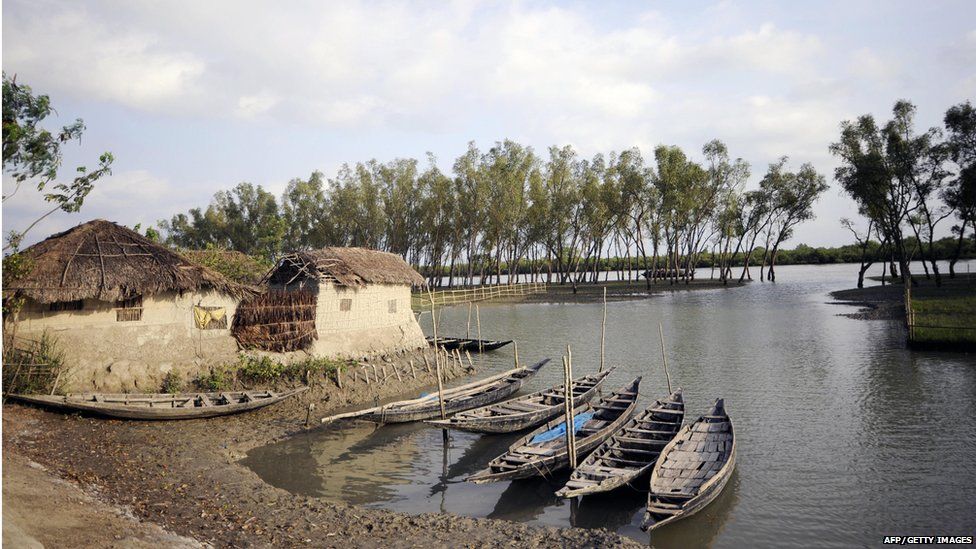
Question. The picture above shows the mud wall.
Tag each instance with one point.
(105, 354)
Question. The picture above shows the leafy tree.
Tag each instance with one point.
(960, 192)
(32, 154)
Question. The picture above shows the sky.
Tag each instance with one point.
(194, 97)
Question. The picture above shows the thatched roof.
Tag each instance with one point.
(109, 262)
(347, 266)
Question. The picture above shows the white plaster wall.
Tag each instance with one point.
(103, 354)
(369, 326)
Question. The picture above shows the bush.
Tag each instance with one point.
(173, 383)
(218, 379)
(265, 369)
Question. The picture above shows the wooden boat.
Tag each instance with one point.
(161, 406)
(468, 344)
(457, 399)
(532, 456)
(525, 411)
(692, 469)
(631, 452)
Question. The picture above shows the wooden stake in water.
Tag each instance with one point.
(566, 411)
(437, 363)
(469, 321)
(570, 427)
(603, 332)
(515, 343)
(477, 311)
(664, 356)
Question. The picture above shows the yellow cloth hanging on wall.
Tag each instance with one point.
(205, 315)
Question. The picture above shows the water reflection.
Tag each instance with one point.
(843, 434)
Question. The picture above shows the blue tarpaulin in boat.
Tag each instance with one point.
(560, 430)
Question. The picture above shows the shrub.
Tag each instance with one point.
(218, 379)
(173, 383)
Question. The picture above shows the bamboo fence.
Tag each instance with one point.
(421, 301)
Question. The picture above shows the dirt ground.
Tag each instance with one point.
(31, 492)
(183, 479)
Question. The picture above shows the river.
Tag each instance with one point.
(843, 435)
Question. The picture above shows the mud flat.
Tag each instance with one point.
(184, 478)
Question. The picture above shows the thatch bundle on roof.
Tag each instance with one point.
(108, 262)
(277, 320)
(346, 266)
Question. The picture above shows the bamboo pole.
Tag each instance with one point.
(515, 343)
(412, 371)
(426, 362)
(569, 417)
(469, 321)
(572, 407)
(603, 332)
(397, 372)
(664, 356)
(437, 363)
(477, 309)
(470, 362)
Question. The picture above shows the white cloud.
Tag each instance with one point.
(65, 47)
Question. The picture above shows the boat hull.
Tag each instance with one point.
(516, 422)
(432, 409)
(121, 411)
(556, 458)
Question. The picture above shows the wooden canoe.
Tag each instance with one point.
(468, 344)
(692, 469)
(523, 412)
(528, 458)
(161, 406)
(631, 452)
(466, 397)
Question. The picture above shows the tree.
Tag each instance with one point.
(33, 154)
(792, 196)
(869, 173)
(960, 192)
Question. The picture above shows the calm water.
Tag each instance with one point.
(844, 436)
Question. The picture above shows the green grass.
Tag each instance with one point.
(945, 320)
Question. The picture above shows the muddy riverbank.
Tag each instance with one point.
(185, 476)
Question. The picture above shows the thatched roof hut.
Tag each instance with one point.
(108, 262)
(345, 266)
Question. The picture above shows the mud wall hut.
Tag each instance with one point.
(362, 299)
(124, 309)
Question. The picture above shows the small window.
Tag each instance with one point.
(210, 318)
(345, 304)
(391, 306)
(129, 310)
(67, 305)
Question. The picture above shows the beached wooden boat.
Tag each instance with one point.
(692, 470)
(161, 406)
(523, 412)
(631, 452)
(457, 399)
(468, 344)
(544, 450)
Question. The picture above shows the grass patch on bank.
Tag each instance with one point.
(263, 369)
(949, 320)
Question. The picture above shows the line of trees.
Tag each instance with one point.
(507, 208)
(906, 183)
